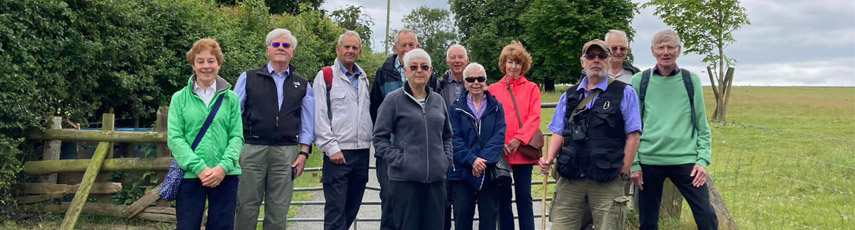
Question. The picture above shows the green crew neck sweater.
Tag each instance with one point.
(667, 138)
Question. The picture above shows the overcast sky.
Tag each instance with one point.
(789, 42)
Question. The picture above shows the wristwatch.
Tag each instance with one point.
(304, 153)
(624, 176)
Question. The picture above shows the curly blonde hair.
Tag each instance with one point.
(517, 53)
(202, 44)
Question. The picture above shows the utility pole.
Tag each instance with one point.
(386, 43)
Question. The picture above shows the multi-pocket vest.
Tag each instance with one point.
(594, 140)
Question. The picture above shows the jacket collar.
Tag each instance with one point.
(409, 91)
(337, 66)
(219, 83)
(518, 81)
(492, 102)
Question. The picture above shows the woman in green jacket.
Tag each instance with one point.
(211, 168)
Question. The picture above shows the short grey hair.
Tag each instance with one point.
(350, 33)
(416, 53)
(475, 66)
(404, 30)
(279, 32)
(465, 53)
(665, 35)
(618, 33)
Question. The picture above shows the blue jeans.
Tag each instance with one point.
(522, 189)
(190, 204)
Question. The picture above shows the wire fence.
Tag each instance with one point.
(773, 178)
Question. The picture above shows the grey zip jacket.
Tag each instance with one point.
(351, 126)
(421, 149)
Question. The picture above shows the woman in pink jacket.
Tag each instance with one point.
(514, 61)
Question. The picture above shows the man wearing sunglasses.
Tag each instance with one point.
(618, 43)
(596, 145)
(277, 109)
(390, 77)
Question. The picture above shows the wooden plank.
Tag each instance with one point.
(162, 150)
(157, 217)
(52, 149)
(149, 197)
(159, 210)
(38, 198)
(76, 206)
(160, 214)
(672, 200)
(48, 188)
(98, 135)
(725, 220)
(118, 164)
(108, 123)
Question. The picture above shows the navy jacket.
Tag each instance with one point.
(387, 80)
(465, 139)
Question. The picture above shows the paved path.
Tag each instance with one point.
(367, 211)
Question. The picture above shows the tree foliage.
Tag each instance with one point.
(352, 18)
(705, 28)
(80, 58)
(488, 26)
(435, 31)
(292, 7)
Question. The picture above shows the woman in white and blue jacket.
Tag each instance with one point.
(478, 123)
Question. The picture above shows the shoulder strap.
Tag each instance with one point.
(208, 121)
(645, 79)
(690, 90)
(513, 100)
(328, 79)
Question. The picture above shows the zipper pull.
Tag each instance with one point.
(277, 120)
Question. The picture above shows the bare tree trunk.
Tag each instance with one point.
(715, 90)
(729, 79)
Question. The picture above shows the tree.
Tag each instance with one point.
(705, 28)
(557, 30)
(487, 27)
(435, 31)
(282, 6)
(352, 18)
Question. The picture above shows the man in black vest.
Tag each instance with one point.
(596, 129)
(277, 108)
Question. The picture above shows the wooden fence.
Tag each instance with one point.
(95, 182)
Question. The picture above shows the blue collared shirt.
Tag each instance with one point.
(628, 107)
(354, 78)
(307, 114)
(399, 66)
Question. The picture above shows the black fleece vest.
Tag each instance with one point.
(264, 123)
(599, 155)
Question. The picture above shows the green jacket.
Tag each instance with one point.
(223, 141)
(667, 138)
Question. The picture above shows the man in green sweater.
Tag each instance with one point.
(675, 143)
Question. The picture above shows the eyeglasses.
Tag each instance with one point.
(602, 56)
(478, 78)
(415, 67)
(283, 44)
(619, 48)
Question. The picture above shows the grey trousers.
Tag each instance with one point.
(266, 175)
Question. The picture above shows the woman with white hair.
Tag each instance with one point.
(420, 154)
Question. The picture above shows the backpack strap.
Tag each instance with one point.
(645, 79)
(208, 121)
(328, 75)
(690, 90)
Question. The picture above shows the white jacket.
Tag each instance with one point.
(351, 127)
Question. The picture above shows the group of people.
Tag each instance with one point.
(437, 142)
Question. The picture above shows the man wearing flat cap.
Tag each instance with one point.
(596, 129)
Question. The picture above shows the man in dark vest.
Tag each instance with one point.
(596, 129)
(390, 77)
(277, 108)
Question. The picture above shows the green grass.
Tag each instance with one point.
(783, 161)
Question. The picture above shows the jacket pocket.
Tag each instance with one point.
(603, 112)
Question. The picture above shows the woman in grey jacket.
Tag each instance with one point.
(420, 154)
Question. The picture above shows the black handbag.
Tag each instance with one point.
(499, 172)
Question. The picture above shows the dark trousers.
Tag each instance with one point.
(386, 221)
(650, 198)
(418, 205)
(343, 188)
(221, 200)
(449, 201)
(465, 197)
(522, 190)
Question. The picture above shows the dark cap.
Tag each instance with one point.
(596, 42)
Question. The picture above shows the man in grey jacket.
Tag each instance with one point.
(343, 131)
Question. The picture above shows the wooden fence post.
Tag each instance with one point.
(108, 123)
(725, 220)
(162, 149)
(85, 186)
(52, 149)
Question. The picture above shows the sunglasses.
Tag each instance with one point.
(478, 78)
(283, 44)
(602, 56)
(619, 48)
(415, 67)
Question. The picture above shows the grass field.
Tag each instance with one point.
(784, 160)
